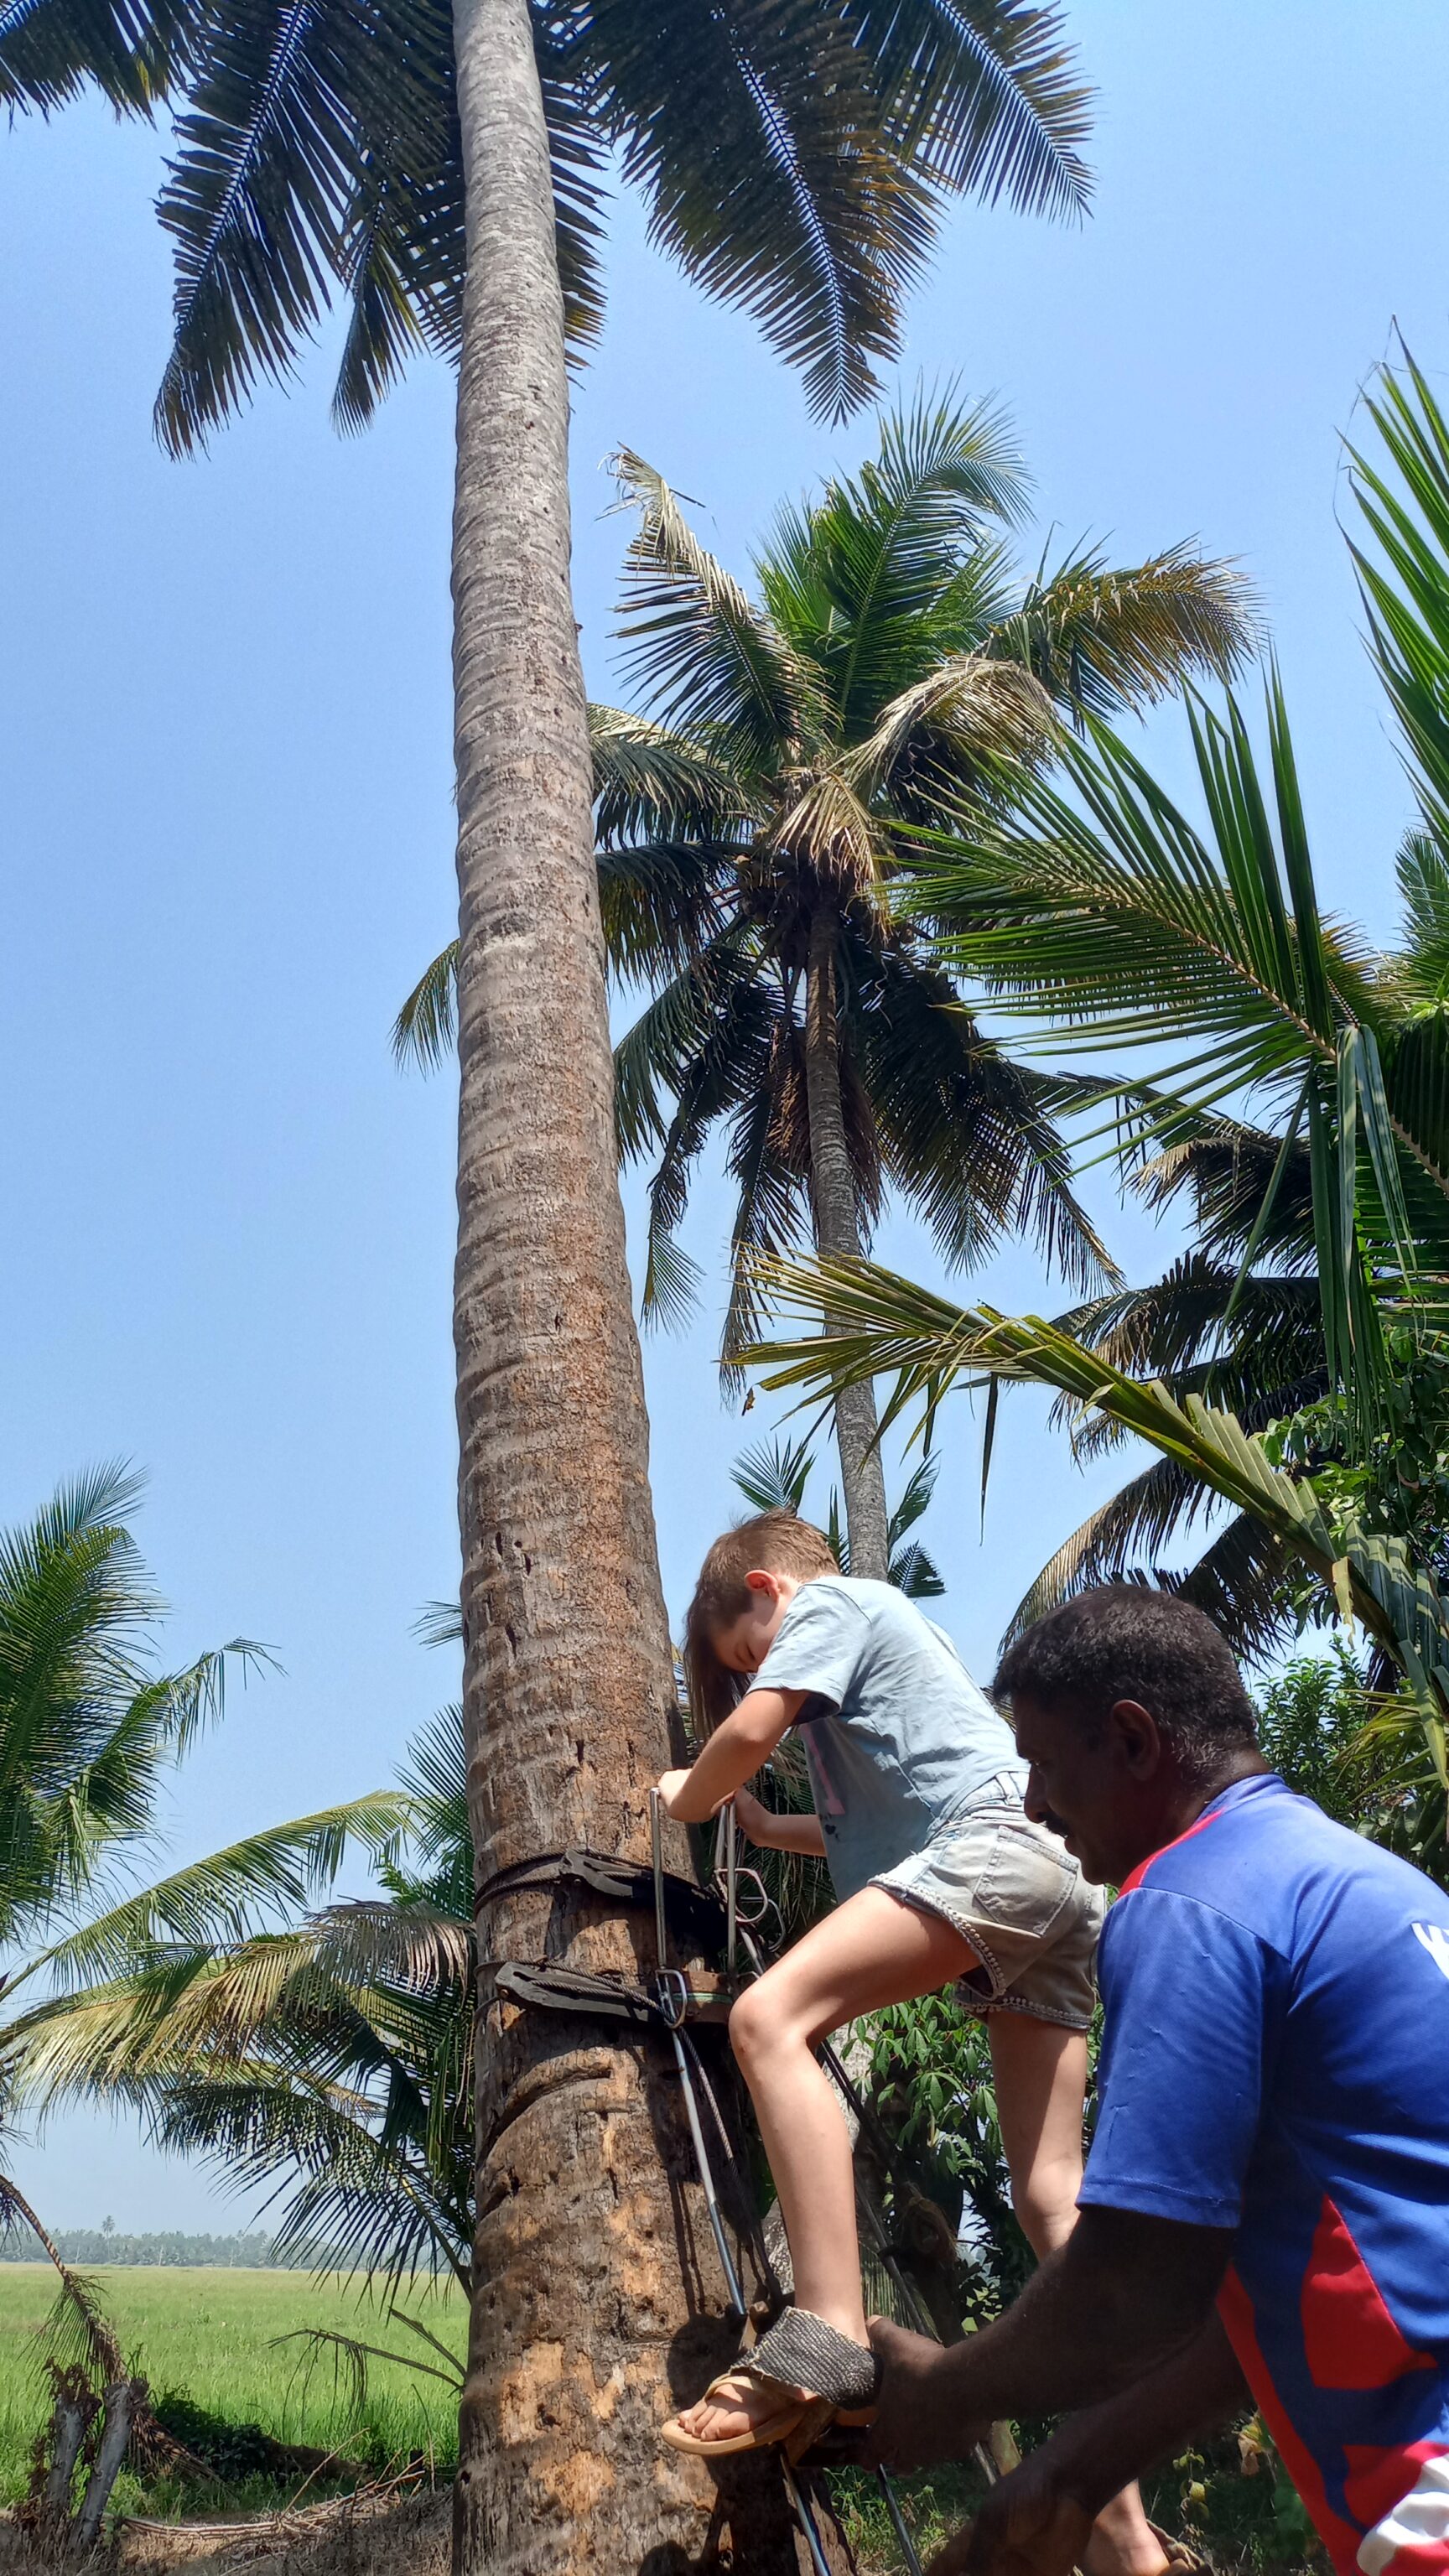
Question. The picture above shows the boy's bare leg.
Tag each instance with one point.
(1041, 2082)
(871, 1951)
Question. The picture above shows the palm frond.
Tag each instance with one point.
(384, 330)
(1225, 1168)
(650, 781)
(578, 154)
(712, 1017)
(759, 141)
(1404, 572)
(425, 1031)
(967, 1136)
(1131, 1525)
(955, 726)
(773, 1474)
(1243, 1582)
(856, 579)
(663, 902)
(884, 1325)
(87, 1724)
(911, 1569)
(439, 1623)
(989, 93)
(1101, 639)
(133, 50)
(832, 830)
(255, 203)
(1422, 963)
(770, 1169)
(222, 1897)
(714, 663)
(730, 1060)
(1090, 914)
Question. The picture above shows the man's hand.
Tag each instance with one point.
(1029, 2525)
(917, 2423)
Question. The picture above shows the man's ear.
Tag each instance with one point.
(1138, 1739)
(760, 1579)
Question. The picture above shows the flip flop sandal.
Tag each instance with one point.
(822, 2379)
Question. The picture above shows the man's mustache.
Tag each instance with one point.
(1048, 1816)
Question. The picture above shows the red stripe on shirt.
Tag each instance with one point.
(1135, 1876)
(1340, 2538)
(1350, 2340)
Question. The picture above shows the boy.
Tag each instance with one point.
(942, 1879)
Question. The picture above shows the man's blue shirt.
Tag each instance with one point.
(1276, 2060)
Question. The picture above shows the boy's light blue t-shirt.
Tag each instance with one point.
(905, 1738)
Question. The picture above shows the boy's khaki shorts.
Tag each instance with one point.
(1022, 1903)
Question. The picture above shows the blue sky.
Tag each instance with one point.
(227, 837)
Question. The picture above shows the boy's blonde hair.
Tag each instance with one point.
(776, 1542)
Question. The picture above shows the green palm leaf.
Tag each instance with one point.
(858, 575)
(267, 168)
(1099, 639)
(768, 167)
(650, 782)
(989, 90)
(133, 50)
(1405, 507)
(793, 160)
(968, 1137)
(882, 1324)
(715, 664)
(223, 1896)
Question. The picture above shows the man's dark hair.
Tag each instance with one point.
(1125, 1641)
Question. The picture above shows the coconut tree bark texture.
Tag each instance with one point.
(837, 1235)
(593, 2262)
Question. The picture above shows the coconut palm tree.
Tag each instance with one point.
(888, 664)
(447, 169)
(89, 1727)
(1101, 912)
(889, 659)
(325, 2055)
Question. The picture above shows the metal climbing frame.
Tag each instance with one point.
(672, 1998)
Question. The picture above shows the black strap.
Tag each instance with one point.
(695, 1915)
(574, 1990)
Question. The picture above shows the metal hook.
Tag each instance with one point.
(656, 1850)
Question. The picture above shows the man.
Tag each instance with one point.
(1266, 2203)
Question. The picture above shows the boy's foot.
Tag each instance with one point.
(755, 2403)
(738, 2404)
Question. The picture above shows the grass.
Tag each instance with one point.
(216, 2338)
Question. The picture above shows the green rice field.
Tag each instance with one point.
(215, 2338)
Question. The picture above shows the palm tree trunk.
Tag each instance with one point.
(837, 1233)
(591, 2251)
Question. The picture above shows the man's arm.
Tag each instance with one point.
(733, 1754)
(1036, 2522)
(1122, 2296)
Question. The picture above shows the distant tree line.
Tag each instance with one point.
(83, 2246)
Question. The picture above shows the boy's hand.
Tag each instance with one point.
(753, 1818)
(671, 1786)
